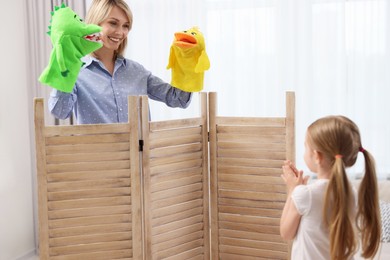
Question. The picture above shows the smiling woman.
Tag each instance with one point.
(108, 78)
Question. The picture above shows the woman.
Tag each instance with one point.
(107, 78)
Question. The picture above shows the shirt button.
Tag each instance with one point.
(120, 109)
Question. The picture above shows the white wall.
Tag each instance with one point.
(16, 195)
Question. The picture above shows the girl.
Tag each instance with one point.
(107, 78)
(326, 217)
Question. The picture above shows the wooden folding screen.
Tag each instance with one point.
(176, 186)
(141, 191)
(89, 199)
(247, 192)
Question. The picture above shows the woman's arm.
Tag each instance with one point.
(164, 92)
(61, 104)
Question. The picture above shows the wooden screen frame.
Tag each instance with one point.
(288, 122)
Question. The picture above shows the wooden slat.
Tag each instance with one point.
(165, 211)
(250, 179)
(174, 150)
(252, 195)
(160, 203)
(172, 124)
(85, 248)
(274, 230)
(181, 157)
(161, 238)
(87, 148)
(175, 133)
(251, 130)
(259, 220)
(184, 173)
(254, 244)
(229, 256)
(177, 216)
(176, 183)
(87, 139)
(259, 187)
(90, 230)
(180, 140)
(176, 191)
(84, 194)
(250, 162)
(88, 166)
(89, 221)
(193, 254)
(252, 203)
(255, 154)
(272, 213)
(86, 129)
(86, 212)
(251, 145)
(266, 139)
(177, 225)
(87, 157)
(175, 166)
(103, 255)
(90, 239)
(178, 249)
(251, 235)
(89, 203)
(177, 241)
(244, 170)
(266, 254)
(88, 175)
(251, 121)
(88, 184)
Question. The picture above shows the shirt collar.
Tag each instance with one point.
(87, 60)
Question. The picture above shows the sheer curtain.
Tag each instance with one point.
(335, 55)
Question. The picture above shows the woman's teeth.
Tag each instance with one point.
(114, 39)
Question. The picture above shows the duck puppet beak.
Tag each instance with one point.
(185, 40)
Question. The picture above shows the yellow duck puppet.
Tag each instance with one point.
(188, 60)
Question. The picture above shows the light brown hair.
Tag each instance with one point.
(99, 11)
(338, 135)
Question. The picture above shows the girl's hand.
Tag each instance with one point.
(292, 176)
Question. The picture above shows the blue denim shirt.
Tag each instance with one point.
(99, 97)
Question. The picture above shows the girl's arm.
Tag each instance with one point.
(290, 219)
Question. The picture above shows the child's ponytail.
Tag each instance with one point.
(337, 212)
(368, 215)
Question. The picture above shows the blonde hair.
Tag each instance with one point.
(99, 11)
(338, 135)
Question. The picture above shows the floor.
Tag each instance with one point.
(383, 254)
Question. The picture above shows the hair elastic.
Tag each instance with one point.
(338, 156)
(361, 149)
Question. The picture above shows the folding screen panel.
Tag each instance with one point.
(247, 192)
(176, 186)
(89, 199)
